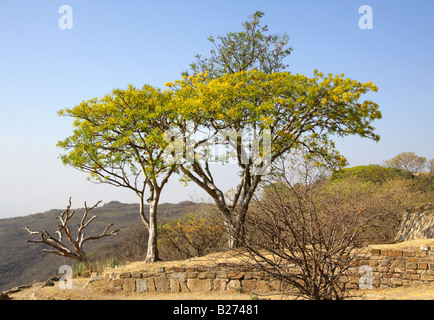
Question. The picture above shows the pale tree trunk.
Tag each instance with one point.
(151, 223)
(152, 253)
(235, 228)
(233, 214)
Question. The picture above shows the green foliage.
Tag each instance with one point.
(370, 173)
(119, 135)
(382, 202)
(425, 183)
(85, 269)
(240, 87)
(299, 111)
(376, 174)
(249, 49)
(81, 269)
(382, 192)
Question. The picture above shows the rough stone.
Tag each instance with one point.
(162, 284)
(407, 253)
(236, 275)
(422, 266)
(234, 285)
(262, 286)
(118, 282)
(206, 275)
(183, 287)
(427, 277)
(417, 223)
(392, 253)
(151, 284)
(248, 285)
(199, 285)
(174, 286)
(219, 284)
(178, 275)
(129, 285)
(375, 252)
(142, 285)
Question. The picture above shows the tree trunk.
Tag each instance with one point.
(235, 229)
(152, 253)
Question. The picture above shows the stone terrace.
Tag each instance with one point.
(386, 266)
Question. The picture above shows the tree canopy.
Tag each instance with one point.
(251, 48)
(119, 139)
(408, 161)
(239, 99)
(285, 111)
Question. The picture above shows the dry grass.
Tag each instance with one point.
(101, 290)
(407, 245)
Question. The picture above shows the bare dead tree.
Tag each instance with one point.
(59, 246)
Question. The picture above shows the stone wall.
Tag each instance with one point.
(195, 279)
(381, 268)
(407, 267)
(417, 223)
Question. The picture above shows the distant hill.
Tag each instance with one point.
(23, 263)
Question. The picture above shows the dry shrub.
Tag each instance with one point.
(318, 227)
(387, 201)
(307, 241)
(194, 235)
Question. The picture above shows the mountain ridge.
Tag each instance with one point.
(23, 263)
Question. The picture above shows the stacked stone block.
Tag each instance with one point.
(194, 279)
(392, 267)
(387, 267)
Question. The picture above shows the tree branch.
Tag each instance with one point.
(59, 247)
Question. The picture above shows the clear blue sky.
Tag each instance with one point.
(116, 43)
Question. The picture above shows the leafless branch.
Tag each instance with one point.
(60, 248)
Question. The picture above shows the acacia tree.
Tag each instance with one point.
(286, 113)
(119, 140)
(241, 90)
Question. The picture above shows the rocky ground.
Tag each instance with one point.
(83, 289)
(98, 287)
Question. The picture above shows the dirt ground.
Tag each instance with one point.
(99, 290)
(84, 289)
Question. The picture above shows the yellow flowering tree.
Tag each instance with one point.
(119, 140)
(285, 112)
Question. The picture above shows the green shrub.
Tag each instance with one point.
(371, 173)
(85, 269)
